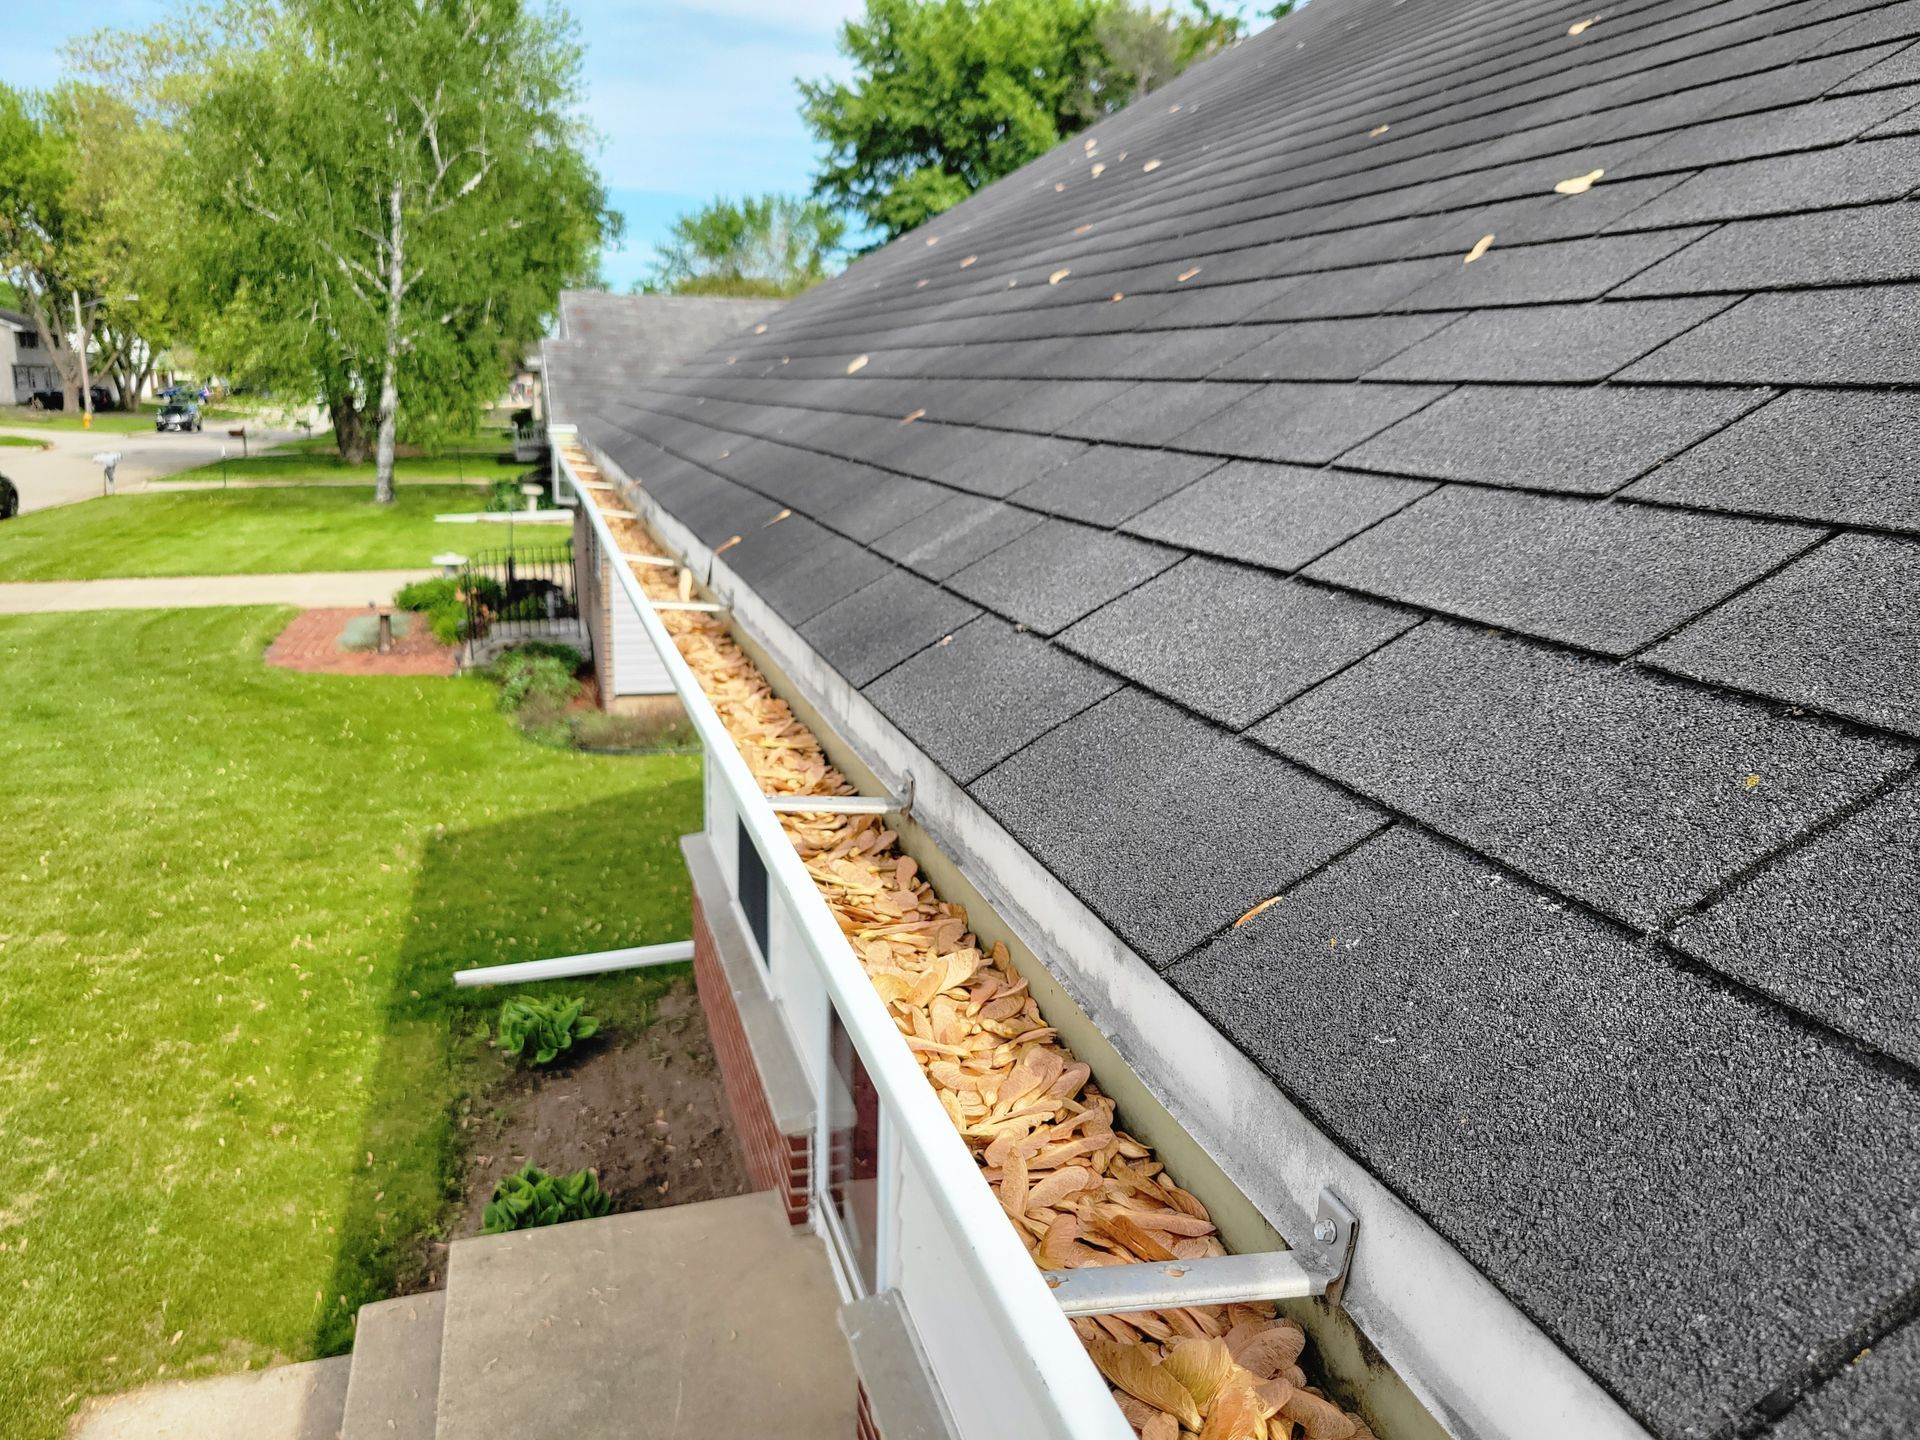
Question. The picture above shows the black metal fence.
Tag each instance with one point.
(520, 593)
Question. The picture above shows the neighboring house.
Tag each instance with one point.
(1394, 567)
(23, 359)
(603, 343)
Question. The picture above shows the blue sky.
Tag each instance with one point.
(693, 100)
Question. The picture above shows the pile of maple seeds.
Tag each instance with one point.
(1078, 1191)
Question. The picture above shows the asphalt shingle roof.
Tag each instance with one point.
(1546, 630)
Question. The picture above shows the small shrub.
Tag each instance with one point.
(524, 677)
(538, 1030)
(444, 602)
(504, 496)
(531, 1197)
(597, 730)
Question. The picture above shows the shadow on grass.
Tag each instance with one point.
(589, 877)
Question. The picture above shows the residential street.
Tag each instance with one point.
(66, 472)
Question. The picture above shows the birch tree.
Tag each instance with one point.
(394, 192)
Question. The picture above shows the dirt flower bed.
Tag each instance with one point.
(1077, 1190)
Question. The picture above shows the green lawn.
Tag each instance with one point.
(248, 532)
(24, 442)
(293, 462)
(231, 1059)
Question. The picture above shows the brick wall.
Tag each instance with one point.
(775, 1161)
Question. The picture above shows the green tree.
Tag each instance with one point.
(391, 194)
(42, 233)
(772, 245)
(949, 95)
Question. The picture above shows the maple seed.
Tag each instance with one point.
(778, 518)
(1098, 170)
(1186, 275)
(860, 363)
(1150, 167)
(1058, 188)
(1579, 184)
(1270, 900)
(914, 416)
(1480, 247)
(1378, 130)
(968, 261)
(1580, 27)
(1057, 276)
(759, 329)
(1081, 229)
(731, 541)
(932, 240)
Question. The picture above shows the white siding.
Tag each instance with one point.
(637, 668)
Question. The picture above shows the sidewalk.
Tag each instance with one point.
(357, 587)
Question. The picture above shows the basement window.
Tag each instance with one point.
(753, 889)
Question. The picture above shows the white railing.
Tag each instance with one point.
(1002, 1353)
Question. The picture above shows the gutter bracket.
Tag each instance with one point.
(1318, 1267)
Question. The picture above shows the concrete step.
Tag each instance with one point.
(286, 1402)
(395, 1383)
(708, 1319)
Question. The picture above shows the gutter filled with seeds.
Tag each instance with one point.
(1078, 1191)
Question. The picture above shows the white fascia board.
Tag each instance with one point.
(1482, 1368)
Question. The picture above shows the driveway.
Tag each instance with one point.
(308, 590)
(66, 472)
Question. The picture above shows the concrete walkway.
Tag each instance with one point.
(356, 587)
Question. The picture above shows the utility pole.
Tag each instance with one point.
(86, 381)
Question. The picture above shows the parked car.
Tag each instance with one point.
(103, 399)
(177, 415)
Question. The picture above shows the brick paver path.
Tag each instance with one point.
(311, 643)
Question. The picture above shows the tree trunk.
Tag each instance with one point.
(389, 393)
(349, 429)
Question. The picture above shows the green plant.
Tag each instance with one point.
(532, 1197)
(504, 497)
(538, 1030)
(597, 730)
(443, 601)
(525, 676)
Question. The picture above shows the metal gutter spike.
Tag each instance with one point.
(1317, 1268)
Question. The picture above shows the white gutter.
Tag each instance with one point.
(1062, 1375)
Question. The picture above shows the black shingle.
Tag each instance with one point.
(954, 534)
(878, 626)
(1110, 483)
(1768, 132)
(1230, 642)
(1330, 349)
(1058, 571)
(1874, 1398)
(1840, 456)
(1548, 342)
(800, 569)
(1365, 290)
(1587, 441)
(1192, 825)
(1833, 926)
(1276, 515)
(1604, 576)
(1305, 423)
(1568, 1107)
(1838, 630)
(1155, 411)
(1559, 271)
(992, 462)
(1824, 247)
(1848, 175)
(1608, 784)
(974, 701)
(1867, 336)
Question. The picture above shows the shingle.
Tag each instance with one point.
(953, 535)
(1565, 1107)
(1586, 441)
(1607, 577)
(1874, 1398)
(1047, 408)
(878, 626)
(1364, 290)
(1899, 69)
(1058, 571)
(1856, 174)
(1229, 642)
(1330, 349)
(1560, 270)
(1164, 825)
(1612, 785)
(800, 569)
(872, 510)
(1865, 336)
(1155, 354)
(1110, 483)
(974, 701)
(1769, 132)
(1832, 927)
(1838, 630)
(1825, 247)
(1306, 423)
(1548, 342)
(1839, 456)
(993, 462)
(1276, 515)
(1155, 411)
